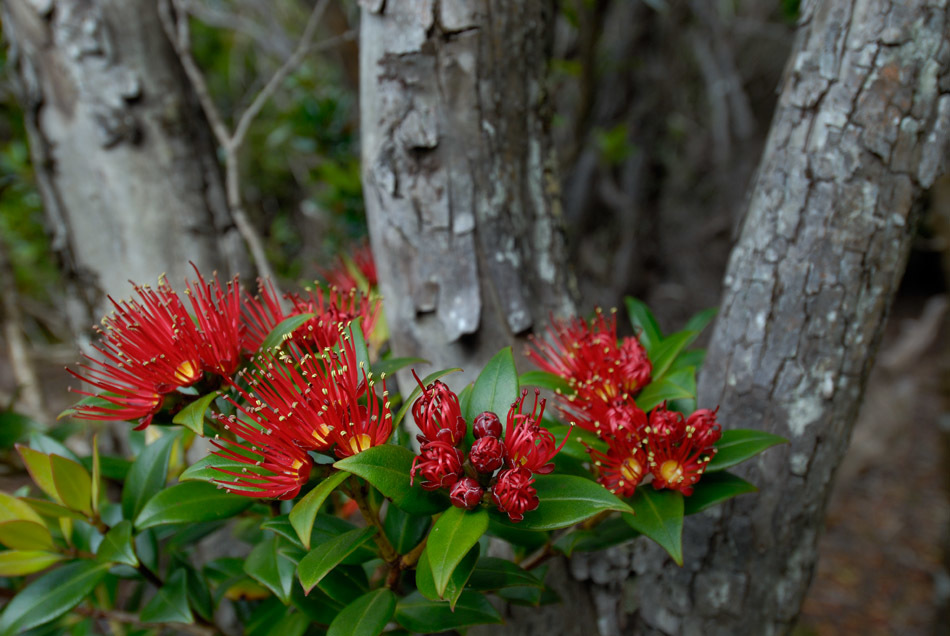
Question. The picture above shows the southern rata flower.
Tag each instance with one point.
(623, 466)
(527, 444)
(677, 456)
(343, 276)
(514, 494)
(437, 413)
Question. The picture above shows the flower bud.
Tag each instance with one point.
(667, 424)
(514, 494)
(486, 423)
(487, 454)
(466, 493)
(439, 463)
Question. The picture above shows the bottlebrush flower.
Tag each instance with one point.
(527, 444)
(261, 314)
(149, 347)
(439, 463)
(437, 413)
(667, 424)
(514, 494)
(333, 307)
(343, 278)
(677, 457)
(218, 313)
(466, 493)
(623, 466)
(607, 419)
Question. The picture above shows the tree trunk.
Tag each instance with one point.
(122, 153)
(861, 128)
(460, 188)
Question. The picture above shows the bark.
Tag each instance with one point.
(460, 188)
(860, 130)
(122, 154)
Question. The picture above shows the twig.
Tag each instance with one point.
(130, 618)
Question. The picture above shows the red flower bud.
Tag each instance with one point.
(439, 463)
(667, 424)
(703, 428)
(466, 493)
(437, 413)
(486, 423)
(514, 494)
(487, 454)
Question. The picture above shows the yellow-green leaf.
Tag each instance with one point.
(12, 509)
(38, 464)
(72, 483)
(23, 562)
(25, 535)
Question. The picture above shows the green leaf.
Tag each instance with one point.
(450, 539)
(606, 534)
(305, 511)
(344, 583)
(678, 385)
(18, 534)
(644, 324)
(404, 530)
(574, 447)
(460, 575)
(280, 525)
(192, 416)
(492, 573)
(50, 596)
(667, 351)
(565, 500)
(715, 488)
(421, 615)
(89, 400)
(116, 546)
(147, 475)
(500, 526)
(23, 562)
(658, 514)
(72, 483)
(283, 330)
(199, 596)
(496, 387)
(170, 604)
(190, 502)
(290, 625)
(701, 320)
(416, 392)
(366, 616)
(391, 365)
(387, 468)
(40, 469)
(13, 509)
(313, 567)
(48, 445)
(53, 510)
(265, 565)
(359, 345)
(546, 380)
(737, 445)
(14, 427)
(207, 468)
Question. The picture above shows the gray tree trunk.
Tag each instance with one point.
(459, 182)
(122, 153)
(860, 130)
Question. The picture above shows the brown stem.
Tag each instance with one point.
(359, 493)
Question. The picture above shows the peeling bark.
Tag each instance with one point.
(123, 157)
(460, 188)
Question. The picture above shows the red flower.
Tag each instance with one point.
(487, 454)
(703, 427)
(527, 444)
(486, 423)
(149, 347)
(623, 466)
(218, 313)
(466, 493)
(678, 456)
(333, 308)
(514, 494)
(439, 463)
(261, 314)
(619, 416)
(667, 424)
(343, 277)
(437, 413)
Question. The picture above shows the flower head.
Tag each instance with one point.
(527, 444)
(217, 311)
(623, 466)
(333, 308)
(466, 493)
(514, 494)
(487, 454)
(361, 263)
(439, 463)
(667, 424)
(677, 456)
(437, 413)
(261, 314)
(620, 415)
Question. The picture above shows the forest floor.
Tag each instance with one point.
(881, 568)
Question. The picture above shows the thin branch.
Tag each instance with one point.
(132, 619)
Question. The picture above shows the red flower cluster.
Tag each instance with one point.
(526, 449)
(606, 375)
(343, 276)
(297, 403)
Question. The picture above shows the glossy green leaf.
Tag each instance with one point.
(265, 565)
(96, 474)
(328, 555)
(40, 469)
(14, 427)
(49, 446)
(366, 616)
(190, 502)
(450, 539)
(416, 392)
(387, 468)
(545, 380)
(13, 509)
(209, 468)
(199, 596)
(404, 530)
(644, 324)
(530, 540)
(667, 351)
(457, 581)
(288, 625)
(170, 603)
(715, 488)
(391, 365)
(147, 475)
(72, 483)
(23, 562)
(52, 510)
(281, 526)
(701, 320)
(89, 400)
(658, 514)
(116, 546)
(305, 511)
(50, 596)
(692, 358)
(677, 385)
(283, 330)
(492, 573)
(192, 416)
(18, 534)
(344, 583)
(738, 445)
(421, 615)
(565, 500)
(575, 445)
(606, 534)
(496, 387)
(355, 333)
